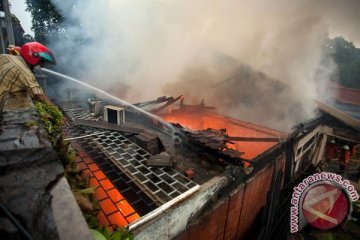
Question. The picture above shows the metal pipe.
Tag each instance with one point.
(162, 208)
(85, 136)
(253, 139)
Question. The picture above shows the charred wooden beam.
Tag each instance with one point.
(157, 101)
(214, 143)
(168, 103)
(253, 139)
(220, 135)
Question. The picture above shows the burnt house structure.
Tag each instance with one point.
(210, 177)
(243, 174)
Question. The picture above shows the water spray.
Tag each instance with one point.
(121, 101)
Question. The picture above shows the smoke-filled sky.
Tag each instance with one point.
(142, 49)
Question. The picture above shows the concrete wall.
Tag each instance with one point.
(32, 184)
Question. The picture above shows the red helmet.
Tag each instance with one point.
(35, 53)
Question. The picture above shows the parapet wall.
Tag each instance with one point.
(33, 190)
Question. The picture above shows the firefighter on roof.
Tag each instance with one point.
(344, 158)
(16, 70)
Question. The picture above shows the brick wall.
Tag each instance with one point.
(233, 217)
(211, 226)
(254, 199)
(235, 205)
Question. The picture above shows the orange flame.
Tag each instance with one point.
(204, 120)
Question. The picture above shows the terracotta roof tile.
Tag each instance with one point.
(108, 206)
(117, 219)
(100, 194)
(99, 175)
(102, 219)
(106, 194)
(115, 195)
(107, 185)
(125, 208)
(133, 217)
(345, 95)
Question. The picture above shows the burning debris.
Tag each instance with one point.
(213, 145)
(217, 146)
(169, 101)
(194, 108)
(155, 170)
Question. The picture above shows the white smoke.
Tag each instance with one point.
(142, 49)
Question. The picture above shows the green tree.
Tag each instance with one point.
(347, 58)
(47, 20)
(345, 52)
(350, 74)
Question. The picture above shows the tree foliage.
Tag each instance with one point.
(47, 20)
(347, 58)
(28, 38)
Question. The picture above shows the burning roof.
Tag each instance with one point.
(234, 128)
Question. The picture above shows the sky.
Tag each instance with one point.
(18, 8)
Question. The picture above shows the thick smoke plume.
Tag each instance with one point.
(260, 61)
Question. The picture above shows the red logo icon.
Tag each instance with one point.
(325, 206)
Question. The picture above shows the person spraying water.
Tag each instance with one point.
(16, 70)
